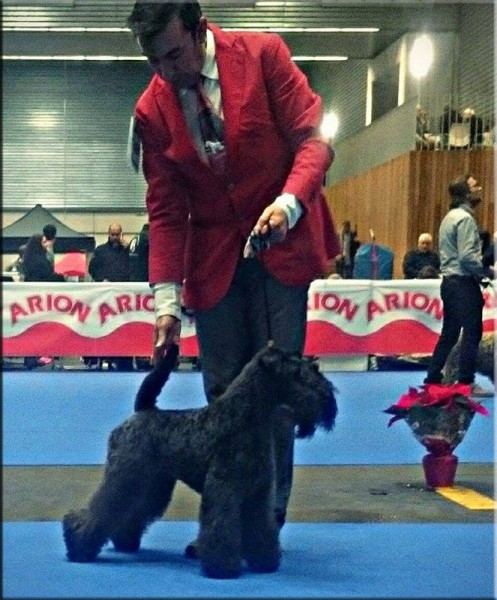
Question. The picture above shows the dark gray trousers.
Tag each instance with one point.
(463, 308)
(255, 309)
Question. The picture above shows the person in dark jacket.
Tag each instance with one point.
(110, 261)
(36, 264)
(423, 256)
(37, 267)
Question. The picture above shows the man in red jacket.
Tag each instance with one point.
(258, 167)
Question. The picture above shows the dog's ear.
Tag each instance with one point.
(270, 358)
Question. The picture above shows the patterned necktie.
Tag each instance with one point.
(211, 129)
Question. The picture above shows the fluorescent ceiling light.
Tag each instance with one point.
(139, 57)
(254, 27)
(261, 27)
(319, 58)
(70, 57)
(70, 29)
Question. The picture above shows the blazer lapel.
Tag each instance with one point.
(182, 148)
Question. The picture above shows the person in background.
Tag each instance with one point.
(424, 256)
(36, 263)
(475, 126)
(462, 274)
(424, 137)
(49, 236)
(488, 258)
(37, 268)
(138, 254)
(446, 120)
(345, 260)
(110, 262)
(230, 132)
(17, 266)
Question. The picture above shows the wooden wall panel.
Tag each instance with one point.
(376, 199)
(408, 195)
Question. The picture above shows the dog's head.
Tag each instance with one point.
(298, 382)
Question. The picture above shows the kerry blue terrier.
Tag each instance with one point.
(224, 451)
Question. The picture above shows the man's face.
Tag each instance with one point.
(425, 244)
(115, 236)
(177, 55)
(475, 191)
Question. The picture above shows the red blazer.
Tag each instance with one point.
(200, 221)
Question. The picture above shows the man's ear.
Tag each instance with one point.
(202, 30)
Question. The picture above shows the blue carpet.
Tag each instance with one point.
(64, 418)
(319, 561)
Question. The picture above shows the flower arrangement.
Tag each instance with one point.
(439, 416)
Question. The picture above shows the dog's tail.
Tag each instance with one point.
(155, 380)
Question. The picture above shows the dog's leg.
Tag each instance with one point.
(83, 537)
(283, 438)
(219, 540)
(126, 537)
(260, 532)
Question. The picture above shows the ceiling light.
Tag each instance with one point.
(70, 57)
(319, 58)
(329, 125)
(421, 56)
(253, 27)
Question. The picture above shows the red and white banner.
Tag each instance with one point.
(344, 317)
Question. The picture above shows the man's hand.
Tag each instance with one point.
(167, 331)
(273, 223)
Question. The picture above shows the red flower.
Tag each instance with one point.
(448, 396)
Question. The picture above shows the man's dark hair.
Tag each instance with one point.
(459, 191)
(50, 231)
(147, 19)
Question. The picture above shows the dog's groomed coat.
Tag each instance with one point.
(224, 451)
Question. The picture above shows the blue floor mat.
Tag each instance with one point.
(338, 560)
(64, 418)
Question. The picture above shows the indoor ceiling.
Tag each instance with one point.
(81, 27)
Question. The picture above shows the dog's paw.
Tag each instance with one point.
(191, 551)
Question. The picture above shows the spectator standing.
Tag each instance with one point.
(424, 256)
(139, 272)
(139, 249)
(447, 119)
(462, 273)
(257, 166)
(37, 267)
(349, 245)
(475, 127)
(36, 264)
(49, 236)
(110, 262)
(17, 265)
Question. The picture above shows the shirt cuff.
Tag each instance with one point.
(291, 205)
(167, 298)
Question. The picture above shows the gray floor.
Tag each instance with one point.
(373, 494)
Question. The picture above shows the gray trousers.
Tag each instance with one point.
(255, 309)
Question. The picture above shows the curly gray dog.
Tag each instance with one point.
(224, 451)
(485, 359)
